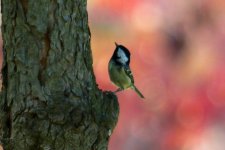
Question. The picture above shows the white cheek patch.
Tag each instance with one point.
(122, 56)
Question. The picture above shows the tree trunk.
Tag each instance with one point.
(49, 99)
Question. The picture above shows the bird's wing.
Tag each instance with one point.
(129, 73)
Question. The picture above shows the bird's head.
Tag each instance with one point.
(121, 55)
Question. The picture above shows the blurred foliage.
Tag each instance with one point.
(177, 58)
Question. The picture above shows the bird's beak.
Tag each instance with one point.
(116, 44)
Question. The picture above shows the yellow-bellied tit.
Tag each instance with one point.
(119, 70)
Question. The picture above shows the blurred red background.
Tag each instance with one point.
(177, 59)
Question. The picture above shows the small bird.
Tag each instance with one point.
(119, 70)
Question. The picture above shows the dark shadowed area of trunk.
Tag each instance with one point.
(50, 99)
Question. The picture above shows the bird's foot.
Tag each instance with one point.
(118, 90)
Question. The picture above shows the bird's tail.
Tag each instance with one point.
(137, 91)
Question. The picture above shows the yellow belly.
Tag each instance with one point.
(119, 77)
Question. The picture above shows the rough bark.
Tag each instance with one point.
(49, 98)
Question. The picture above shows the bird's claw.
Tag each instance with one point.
(118, 90)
